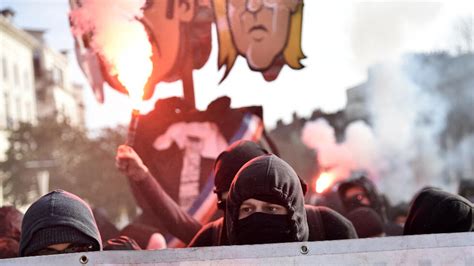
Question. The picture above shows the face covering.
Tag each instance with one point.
(263, 228)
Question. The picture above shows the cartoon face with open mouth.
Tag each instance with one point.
(260, 29)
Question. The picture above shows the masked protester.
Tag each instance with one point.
(59, 222)
(324, 223)
(228, 163)
(361, 192)
(266, 204)
(434, 211)
(10, 230)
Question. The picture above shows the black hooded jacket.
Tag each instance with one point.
(58, 217)
(435, 211)
(270, 177)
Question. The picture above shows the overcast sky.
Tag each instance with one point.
(340, 39)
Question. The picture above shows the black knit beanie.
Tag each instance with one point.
(58, 217)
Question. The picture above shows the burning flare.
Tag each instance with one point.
(325, 180)
(119, 38)
(134, 67)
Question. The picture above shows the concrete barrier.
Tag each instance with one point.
(436, 249)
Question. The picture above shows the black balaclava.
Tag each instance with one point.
(434, 211)
(266, 178)
(260, 228)
(229, 162)
(58, 217)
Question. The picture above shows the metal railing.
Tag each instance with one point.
(435, 249)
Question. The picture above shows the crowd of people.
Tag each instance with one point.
(260, 199)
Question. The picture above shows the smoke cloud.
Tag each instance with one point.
(359, 150)
(407, 120)
(117, 36)
(408, 103)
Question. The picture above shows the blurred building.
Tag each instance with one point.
(356, 107)
(56, 95)
(34, 81)
(17, 82)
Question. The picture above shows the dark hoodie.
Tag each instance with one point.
(58, 217)
(229, 162)
(10, 228)
(10, 222)
(367, 222)
(268, 177)
(434, 211)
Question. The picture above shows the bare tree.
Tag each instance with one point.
(464, 32)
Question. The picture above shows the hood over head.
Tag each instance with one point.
(271, 179)
(434, 211)
(229, 162)
(58, 217)
(369, 187)
(367, 222)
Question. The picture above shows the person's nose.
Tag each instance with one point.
(254, 5)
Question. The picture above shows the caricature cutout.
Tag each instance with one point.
(266, 32)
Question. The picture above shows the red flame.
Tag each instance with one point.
(324, 181)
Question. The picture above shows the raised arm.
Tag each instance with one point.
(178, 222)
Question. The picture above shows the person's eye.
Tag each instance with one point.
(272, 208)
(246, 209)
